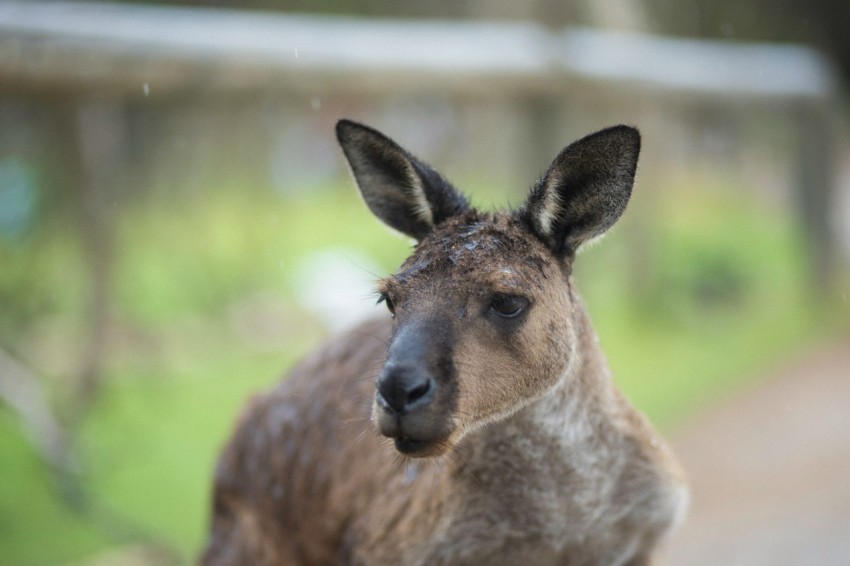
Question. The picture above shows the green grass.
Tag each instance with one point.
(712, 292)
(174, 427)
(30, 508)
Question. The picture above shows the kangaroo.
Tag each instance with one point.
(477, 422)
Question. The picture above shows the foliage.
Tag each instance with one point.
(728, 295)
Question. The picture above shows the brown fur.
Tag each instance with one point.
(534, 456)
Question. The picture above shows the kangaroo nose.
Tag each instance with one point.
(402, 390)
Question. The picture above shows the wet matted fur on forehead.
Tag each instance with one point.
(480, 246)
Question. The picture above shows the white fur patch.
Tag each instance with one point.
(421, 208)
(548, 212)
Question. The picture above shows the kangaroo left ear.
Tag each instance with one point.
(408, 195)
(585, 190)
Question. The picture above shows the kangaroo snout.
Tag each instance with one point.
(403, 389)
(412, 399)
(413, 394)
(405, 408)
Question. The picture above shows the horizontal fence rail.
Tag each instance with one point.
(121, 46)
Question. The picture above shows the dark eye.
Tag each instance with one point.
(509, 306)
(384, 298)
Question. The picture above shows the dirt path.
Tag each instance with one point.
(770, 471)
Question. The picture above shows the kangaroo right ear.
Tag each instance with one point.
(585, 190)
(405, 193)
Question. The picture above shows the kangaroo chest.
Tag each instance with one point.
(539, 509)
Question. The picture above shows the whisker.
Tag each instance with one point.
(360, 267)
(359, 438)
(355, 419)
(380, 339)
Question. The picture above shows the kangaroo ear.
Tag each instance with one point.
(399, 189)
(585, 190)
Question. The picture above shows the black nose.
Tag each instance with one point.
(402, 390)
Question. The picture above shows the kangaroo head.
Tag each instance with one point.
(482, 308)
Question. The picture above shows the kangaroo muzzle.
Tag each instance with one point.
(413, 400)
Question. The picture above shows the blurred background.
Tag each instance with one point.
(177, 226)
